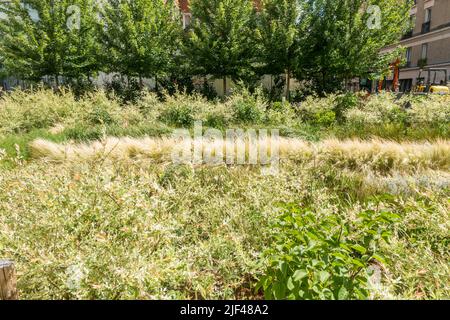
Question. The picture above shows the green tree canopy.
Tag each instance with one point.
(344, 39)
(140, 37)
(48, 38)
(221, 39)
(280, 24)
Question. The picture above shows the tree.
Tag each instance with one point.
(344, 39)
(279, 24)
(221, 39)
(82, 46)
(41, 38)
(140, 37)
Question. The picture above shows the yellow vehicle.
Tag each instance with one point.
(432, 87)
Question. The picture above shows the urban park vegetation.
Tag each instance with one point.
(91, 206)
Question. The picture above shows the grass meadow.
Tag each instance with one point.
(92, 207)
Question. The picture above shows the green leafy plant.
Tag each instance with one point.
(343, 103)
(100, 115)
(130, 91)
(178, 115)
(247, 108)
(317, 256)
(324, 118)
(37, 42)
(221, 41)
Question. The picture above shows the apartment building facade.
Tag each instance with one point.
(427, 45)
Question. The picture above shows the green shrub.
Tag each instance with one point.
(128, 92)
(325, 118)
(216, 120)
(344, 115)
(181, 110)
(245, 111)
(99, 116)
(318, 111)
(277, 106)
(432, 110)
(377, 110)
(281, 113)
(216, 116)
(247, 108)
(343, 103)
(178, 116)
(323, 256)
(148, 105)
(23, 111)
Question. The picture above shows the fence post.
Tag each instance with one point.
(8, 282)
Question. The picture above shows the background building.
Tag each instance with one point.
(427, 45)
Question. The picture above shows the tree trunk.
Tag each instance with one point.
(323, 84)
(8, 286)
(288, 85)
(57, 81)
(224, 86)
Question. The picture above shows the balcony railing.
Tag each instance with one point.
(407, 35)
(426, 27)
(422, 62)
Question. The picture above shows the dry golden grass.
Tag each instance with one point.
(374, 154)
(383, 154)
(113, 148)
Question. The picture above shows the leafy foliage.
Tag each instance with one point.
(320, 43)
(139, 37)
(323, 257)
(36, 39)
(344, 40)
(220, 39)
(247, 108)
(280, 24)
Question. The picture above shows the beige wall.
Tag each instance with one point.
(439, 51)
(441, 14)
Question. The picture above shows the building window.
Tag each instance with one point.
(412, 26)
(423, 61)
(408, 57)
(412, 20)
(186, 20)
(424, 51)
(426, 26)
(428, 15)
